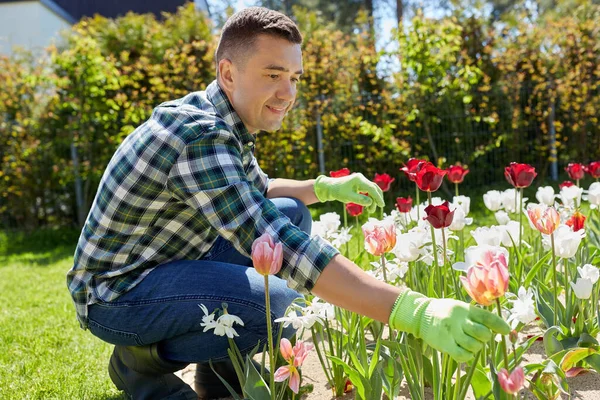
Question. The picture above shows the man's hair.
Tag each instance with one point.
(242, 29)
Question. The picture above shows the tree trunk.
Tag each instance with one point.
(399, 10)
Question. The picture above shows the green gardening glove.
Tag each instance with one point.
(347, 190)
(447, 325)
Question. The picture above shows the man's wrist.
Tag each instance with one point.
(407, 312)
(320, 189)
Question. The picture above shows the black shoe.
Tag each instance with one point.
(209, 386)
(144, 375)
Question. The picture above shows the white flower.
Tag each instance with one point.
(487, 235)
(322, 309)
(566, 242)
(511, 200)
(588, 271)
(408, 245)
(502, 217)
(223, 325)
(571, 196)
(545, 195)
(459, 220)
(523, 308)
(341, 237)
(330, 221)
(299, 321)
(582, 288)
(208, 320)
(509, 233)
(396, 270)
(436, 201)
(593, 195)
(464, 202)
(493, 200)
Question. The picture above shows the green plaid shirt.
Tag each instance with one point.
(176, 183)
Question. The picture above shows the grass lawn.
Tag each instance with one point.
(43, 352)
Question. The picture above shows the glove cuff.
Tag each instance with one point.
(408, 312)
(320, 188)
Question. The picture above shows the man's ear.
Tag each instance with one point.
(227, 74)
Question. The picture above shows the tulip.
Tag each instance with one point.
(487, 279)
(295, 358)
(582, 288)
(459, 220)
(404, 204)
(429, 177)
(575, 170)
(565, 184)
(411, 167)
(571, 196)
(463, 202)
(545, 219)
(567, 241)
(456, 173)
(380, 237)
(519, 175)
(593, 169)
(475, 253)
(577, 221)
(512, 383)
(354, 209)
(409, 245)
(267, 257)
(545, 195)
(487, 235)
(588, 271)
(502, 217)
(593, 195)
(439, 216)
(339, 173)
(384, 181)
(493, 200)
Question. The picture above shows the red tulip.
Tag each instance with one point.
(575, 171)
(456, 173)
(429, 177)
(339, 173)
(439, 216)
(519, 175)
(404, 205)
(383, 181)
(411, 167)
(512, 383)
(593, 169)
(576, 222)
(354, 209)
(565, 184)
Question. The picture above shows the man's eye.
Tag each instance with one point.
(296, 80)
(273, 76)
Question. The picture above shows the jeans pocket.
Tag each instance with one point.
(114, 336)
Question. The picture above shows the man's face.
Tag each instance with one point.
(263, 89)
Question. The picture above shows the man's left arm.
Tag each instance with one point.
(301, 190)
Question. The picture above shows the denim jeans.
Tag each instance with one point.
(164, 307)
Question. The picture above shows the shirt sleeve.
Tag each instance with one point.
(209, 176)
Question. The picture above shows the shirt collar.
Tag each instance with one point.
(219, 99)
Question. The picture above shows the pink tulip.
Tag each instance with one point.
(545, 219)
(295, 357)
(512, 383)
(267, 256)
(488, 278)
(380, 238)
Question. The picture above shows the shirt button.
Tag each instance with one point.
(251, 144)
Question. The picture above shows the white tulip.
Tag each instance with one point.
(502, 217)
(545, 195)
(582, 288)
(571, 196)
(510, 202)
(474, 253)
(493, 200)
(408, 245)
(464, 202)
(459, 219)
(566, 242)
(487, 235)
(508, 231)
(588, 271)
(593, 195)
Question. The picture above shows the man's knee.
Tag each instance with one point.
(296, 211)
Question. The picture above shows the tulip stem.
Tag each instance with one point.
(554, 278)
(520, 230)
(435, 259)
(346, 226)
(383, 268)
(456, 189)
(358, 241)
(270, 338)
(499, 307)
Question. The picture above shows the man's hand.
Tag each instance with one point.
(447, 325)
(347, 189)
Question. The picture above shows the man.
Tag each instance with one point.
(179, 206)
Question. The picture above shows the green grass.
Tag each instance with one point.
(43, 352)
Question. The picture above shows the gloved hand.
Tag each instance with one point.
(346, 189)
(447, 325)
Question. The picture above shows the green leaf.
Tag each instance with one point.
(574, 356)
(255, 387)
(551, 343)
(534, 270)
(227, 385)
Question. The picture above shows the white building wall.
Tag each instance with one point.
(28, 24)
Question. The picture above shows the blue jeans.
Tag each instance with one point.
(164, 307)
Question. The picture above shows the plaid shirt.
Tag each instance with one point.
(180, 180)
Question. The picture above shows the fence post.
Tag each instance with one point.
(553, 151)
(320, 150)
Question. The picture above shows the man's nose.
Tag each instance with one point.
(286, 91)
